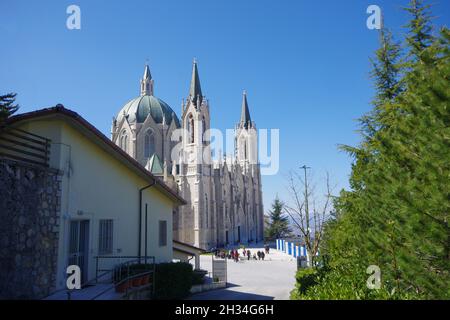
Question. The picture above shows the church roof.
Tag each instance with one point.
(155, 165)
(138, 109)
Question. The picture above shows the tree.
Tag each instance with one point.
(305, 212)
(7, 106)
(278, 223)
(419, 28)
(396, 215)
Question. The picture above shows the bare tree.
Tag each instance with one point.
(306, 212)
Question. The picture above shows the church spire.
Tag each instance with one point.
(245, 113)
(195, 91)
(147, 82)
(147, 74)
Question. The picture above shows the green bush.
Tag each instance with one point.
(305, 278)
(173, 281)
(345, 282)
(122, 272)
(198, 276)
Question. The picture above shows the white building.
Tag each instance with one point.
(108, 204)
(224, 196)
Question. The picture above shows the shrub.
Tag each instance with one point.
(198, 276)
(305, 279)
(173, 281)
(122, 272)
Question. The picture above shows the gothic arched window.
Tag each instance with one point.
(191, 128)
(149, 143)
(123, 142)
(204, 129)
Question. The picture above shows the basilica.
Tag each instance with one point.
(223, 193)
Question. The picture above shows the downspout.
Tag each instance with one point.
(140, 218)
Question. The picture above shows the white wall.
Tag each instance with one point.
(101, 187)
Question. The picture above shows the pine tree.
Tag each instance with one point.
(397, 214)
(7, 106)
(279, 222)
(419, 28)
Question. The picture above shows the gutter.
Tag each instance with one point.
(140, 218)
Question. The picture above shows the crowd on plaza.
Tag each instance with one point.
(238, 255)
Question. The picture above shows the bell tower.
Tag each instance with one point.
(197, 166)
(246, 138)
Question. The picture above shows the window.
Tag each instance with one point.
(162, 233)
(204, 129)
(105, 237)
(191, 128)
(149, 144)
(124, 141)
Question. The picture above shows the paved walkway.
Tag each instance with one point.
(270, 279)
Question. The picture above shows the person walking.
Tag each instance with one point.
(248, 254)
(262, 255)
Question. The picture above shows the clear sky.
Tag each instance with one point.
(304, 64)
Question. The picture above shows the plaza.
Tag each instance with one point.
(270, 279)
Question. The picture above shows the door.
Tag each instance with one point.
(79, 246)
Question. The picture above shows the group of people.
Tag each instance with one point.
(246, 253)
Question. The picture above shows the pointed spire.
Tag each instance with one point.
(245, 113)
(147, 82)
(195, 91)
(147, 74)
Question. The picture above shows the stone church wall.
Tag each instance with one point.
(29, 230)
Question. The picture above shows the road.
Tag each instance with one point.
(270, 279)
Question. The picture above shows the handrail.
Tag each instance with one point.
(117, 270)
(111, 271)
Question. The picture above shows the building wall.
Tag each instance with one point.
(29, 230)
(97, 186)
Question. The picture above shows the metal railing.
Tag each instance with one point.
(114, 275)
(18, 144)
(120, 277)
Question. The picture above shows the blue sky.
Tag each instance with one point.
(304, 64)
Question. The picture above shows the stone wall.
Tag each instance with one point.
(29, 229)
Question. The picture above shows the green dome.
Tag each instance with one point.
(139, 108)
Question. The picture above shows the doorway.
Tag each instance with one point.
(79, 246)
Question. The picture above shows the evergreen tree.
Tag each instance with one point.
(419, 28)
(7, 106)
(396, 215)
(279, 222)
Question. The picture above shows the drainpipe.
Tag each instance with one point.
(140, 217)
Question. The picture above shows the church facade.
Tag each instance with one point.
(224, 195)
